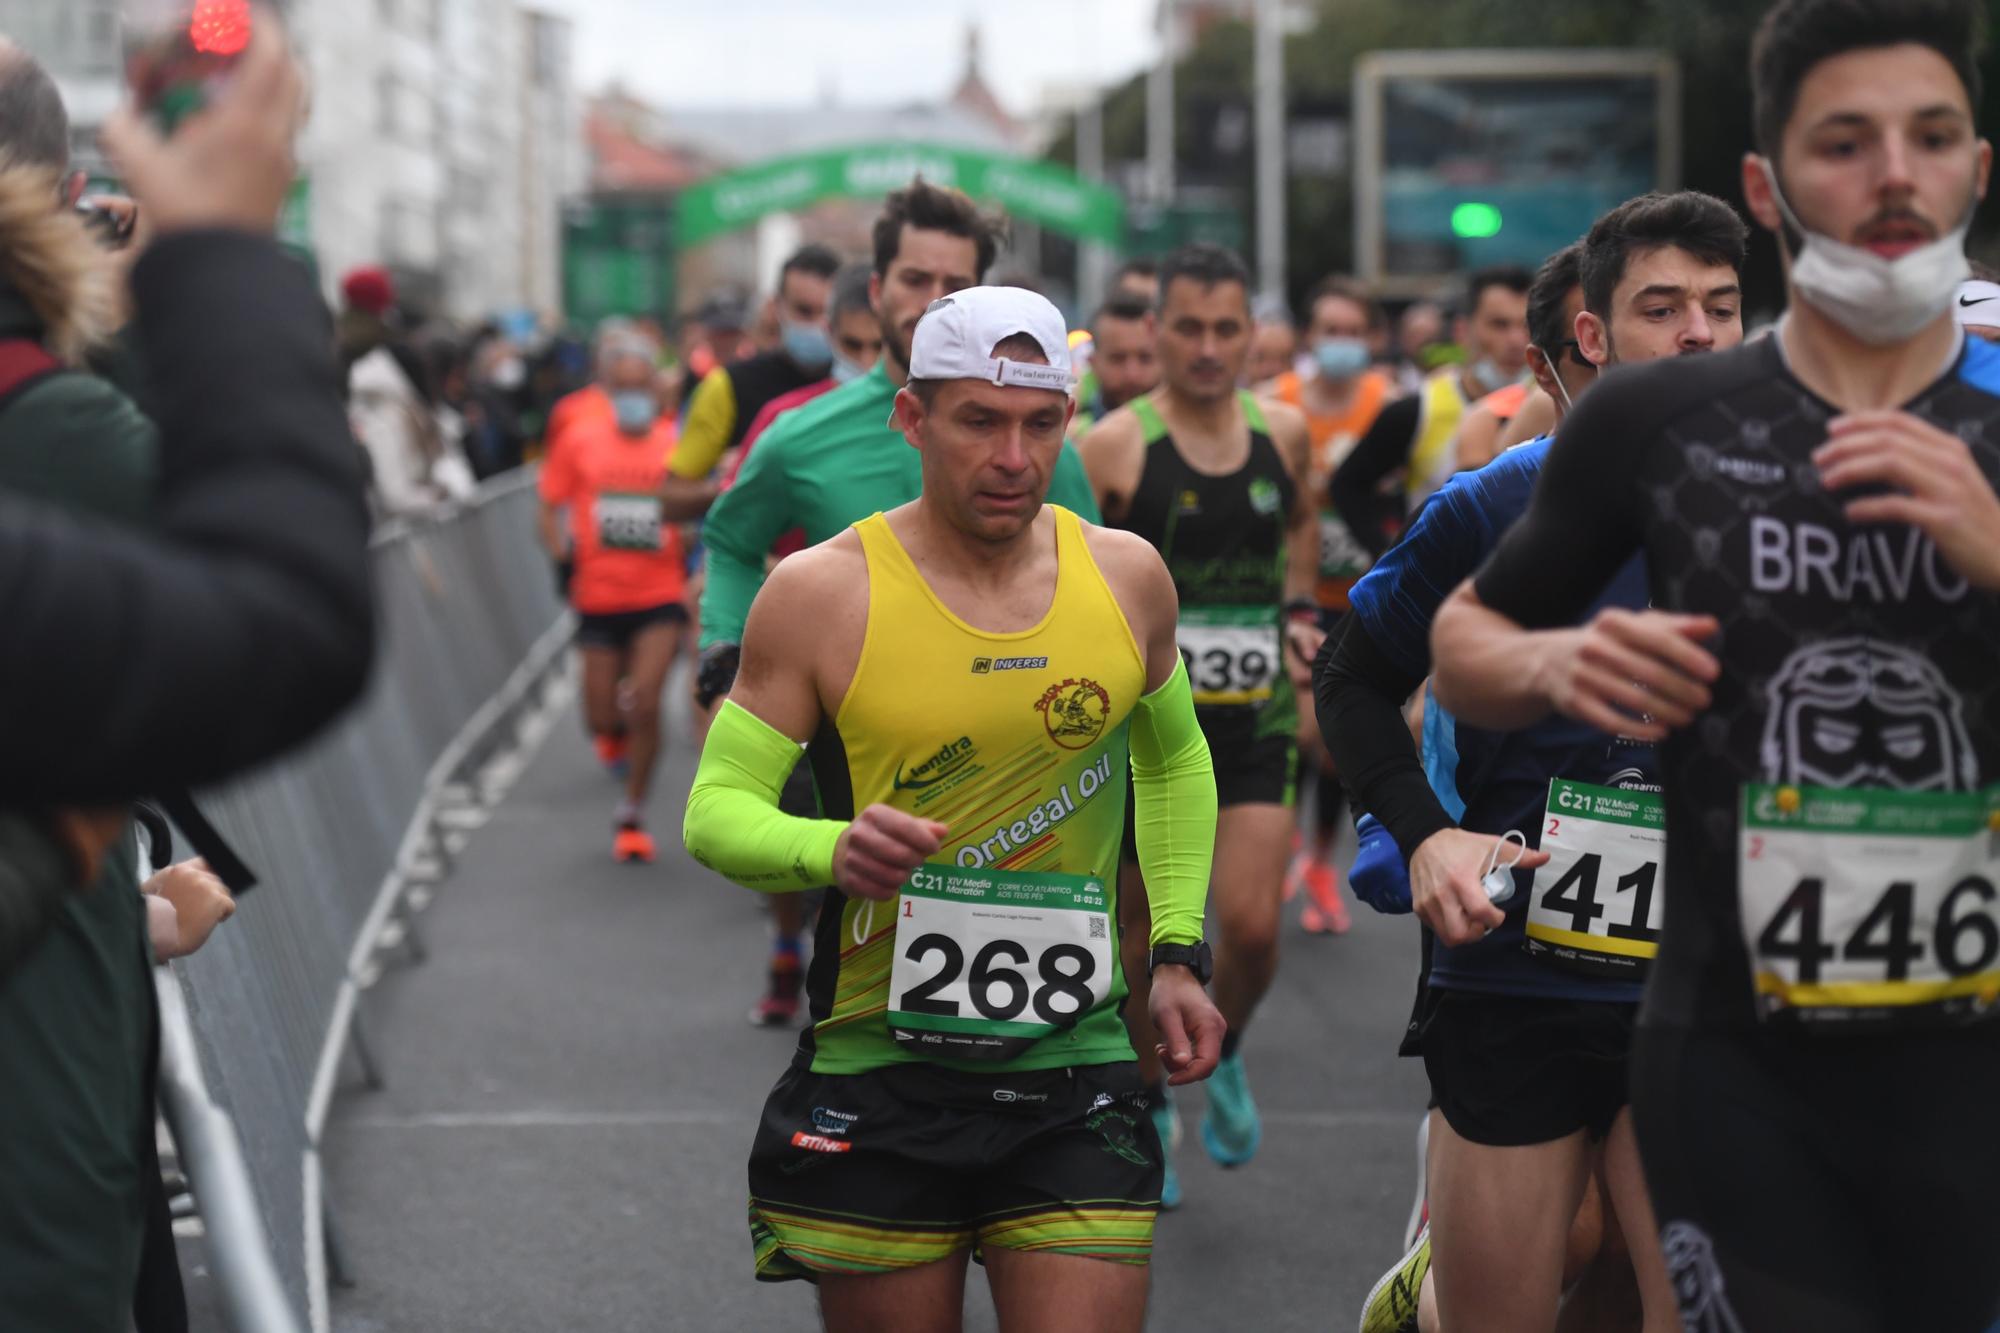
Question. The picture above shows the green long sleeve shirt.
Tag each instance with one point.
(824, 467)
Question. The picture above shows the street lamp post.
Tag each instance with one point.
(1268, 76)
(1160, 114)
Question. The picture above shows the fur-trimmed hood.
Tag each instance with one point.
(52, 265)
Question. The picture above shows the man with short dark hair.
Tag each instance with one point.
(729, 397)
(1215, 479)
(1123, 363)
(1524, 1030)
(1817, 1061)
(1415, 434)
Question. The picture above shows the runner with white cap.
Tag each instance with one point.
(967, 672)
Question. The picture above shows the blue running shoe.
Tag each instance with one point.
(1231, 1129)
(1167, 1123)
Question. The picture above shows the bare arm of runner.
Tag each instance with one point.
(809, 614)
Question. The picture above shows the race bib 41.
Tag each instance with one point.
(1870, 906)
(988, 963)
(1597, 904)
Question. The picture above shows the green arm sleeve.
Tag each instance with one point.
(711, 420)
(1173, 799)
(737, 533)
(734, 826)
(1070, 486)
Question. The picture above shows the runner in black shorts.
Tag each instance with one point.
(1817, 1064)
(1525, 1025)
(1213, 477)
(629, 578)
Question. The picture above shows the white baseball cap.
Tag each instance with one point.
(957, 334)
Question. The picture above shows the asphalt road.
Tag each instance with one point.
(572, 1086)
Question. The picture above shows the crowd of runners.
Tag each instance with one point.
(1666, 701)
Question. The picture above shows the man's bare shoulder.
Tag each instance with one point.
(1118, 431)
(819, 578)
(1129, 563)
(1287, 422)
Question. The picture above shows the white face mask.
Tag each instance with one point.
(1878, 300)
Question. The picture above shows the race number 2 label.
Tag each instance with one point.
(988, 963)
(1596, 907)
(1867, 906)
(628, 522)
(1231, 652)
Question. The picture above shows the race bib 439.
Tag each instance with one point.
(1231, 652)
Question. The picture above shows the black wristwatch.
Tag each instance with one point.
(1196, 958)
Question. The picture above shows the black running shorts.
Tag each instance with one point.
(619, 628)
(1842, 1184)
(1510, 1070)
(867, 1173)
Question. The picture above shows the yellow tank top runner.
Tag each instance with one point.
(1002, 953)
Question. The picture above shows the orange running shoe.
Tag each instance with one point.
(632, 843)
(611, 752)
(1326, 912)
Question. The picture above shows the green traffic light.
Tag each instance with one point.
(1475, 221)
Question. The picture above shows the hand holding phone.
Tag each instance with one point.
(179, 53)
(230, 163)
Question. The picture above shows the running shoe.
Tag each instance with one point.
(1325, 912)
(1230, 1128)
(632, 844)
(779, 1007)
(1392, 1305)
(1167, 1123)
(611, 752)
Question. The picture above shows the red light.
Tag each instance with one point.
(220, 27)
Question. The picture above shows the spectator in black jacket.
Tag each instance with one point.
(140, 661)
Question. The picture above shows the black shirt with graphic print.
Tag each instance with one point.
(1852, 655)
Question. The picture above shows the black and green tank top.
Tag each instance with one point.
(1223, 538)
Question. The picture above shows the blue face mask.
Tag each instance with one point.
(845, 371)
(635, 410)
(808, 346)
(1341, 358)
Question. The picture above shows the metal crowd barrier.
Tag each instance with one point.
(345, 836)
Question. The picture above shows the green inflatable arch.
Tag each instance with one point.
(1041, 192)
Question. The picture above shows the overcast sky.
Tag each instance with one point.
(786, 52)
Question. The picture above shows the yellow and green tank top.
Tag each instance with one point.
(1017, 743)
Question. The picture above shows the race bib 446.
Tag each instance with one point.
(988, 963)
(1870, 906)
